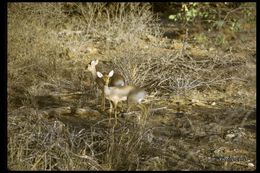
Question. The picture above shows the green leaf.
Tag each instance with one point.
(172, 17)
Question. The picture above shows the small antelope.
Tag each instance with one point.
(117, 80)
(117, 94)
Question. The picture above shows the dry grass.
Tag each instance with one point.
(49, 45)
(41, 144)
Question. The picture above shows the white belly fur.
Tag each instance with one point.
(114, 94)
(117, 98)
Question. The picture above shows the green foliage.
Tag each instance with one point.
(216, 15)
(201, 38)
(220, 40)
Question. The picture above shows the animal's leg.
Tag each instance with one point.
(103, 101)
(110, 110)
(115, 110)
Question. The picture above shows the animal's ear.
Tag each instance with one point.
(94, 62)
(111, 73)
(100, 75)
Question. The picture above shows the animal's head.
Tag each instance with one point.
(92, 65)
(106, 77)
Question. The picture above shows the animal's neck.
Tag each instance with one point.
(106, 89)
(94, 73)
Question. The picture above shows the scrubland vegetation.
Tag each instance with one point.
(197, 62)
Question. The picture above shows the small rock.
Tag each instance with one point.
(211, 49)
(220, 150)
(213, 103)
(62, 110)
(195, 101)
(251, 165)
(86, 112)
(230, 136)
(81, 111)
